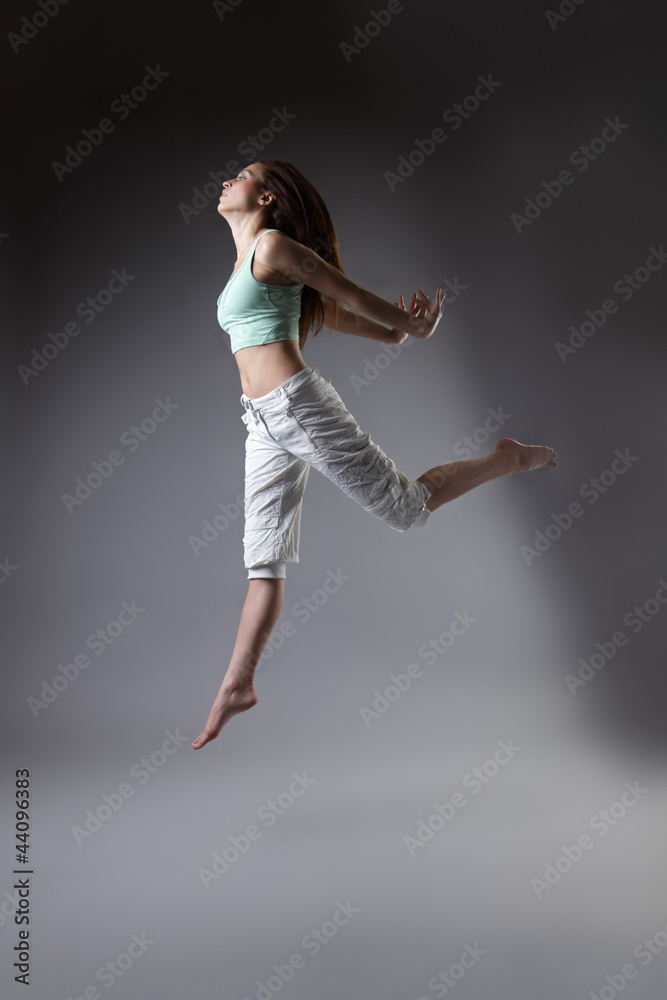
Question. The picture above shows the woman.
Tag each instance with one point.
(288, 278)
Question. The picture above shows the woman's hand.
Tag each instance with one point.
(424, 315)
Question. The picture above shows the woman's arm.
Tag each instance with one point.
(359, 326)
(299, 263)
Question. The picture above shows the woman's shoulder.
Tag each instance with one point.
(277, 249)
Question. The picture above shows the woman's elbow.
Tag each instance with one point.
(395, 337)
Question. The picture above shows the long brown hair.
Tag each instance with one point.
(299, 211)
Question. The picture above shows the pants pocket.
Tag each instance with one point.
(300, 424)
(262, 546)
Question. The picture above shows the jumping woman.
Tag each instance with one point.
(288, 279)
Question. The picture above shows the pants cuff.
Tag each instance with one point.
(270, 571)
(422, 519)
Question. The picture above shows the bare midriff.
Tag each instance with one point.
(266, 366)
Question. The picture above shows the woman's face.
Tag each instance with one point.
(243, 191)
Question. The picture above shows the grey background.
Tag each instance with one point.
(343, 840)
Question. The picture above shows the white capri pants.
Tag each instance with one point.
(300, 423)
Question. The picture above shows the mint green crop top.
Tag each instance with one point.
(253, 312)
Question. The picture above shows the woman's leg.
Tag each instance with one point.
(275, 481)
(319, 428)
(447, 482)
(237, 693)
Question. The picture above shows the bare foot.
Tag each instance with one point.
(231, 700)
(529, 456)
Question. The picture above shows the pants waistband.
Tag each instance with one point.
(284, 390)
